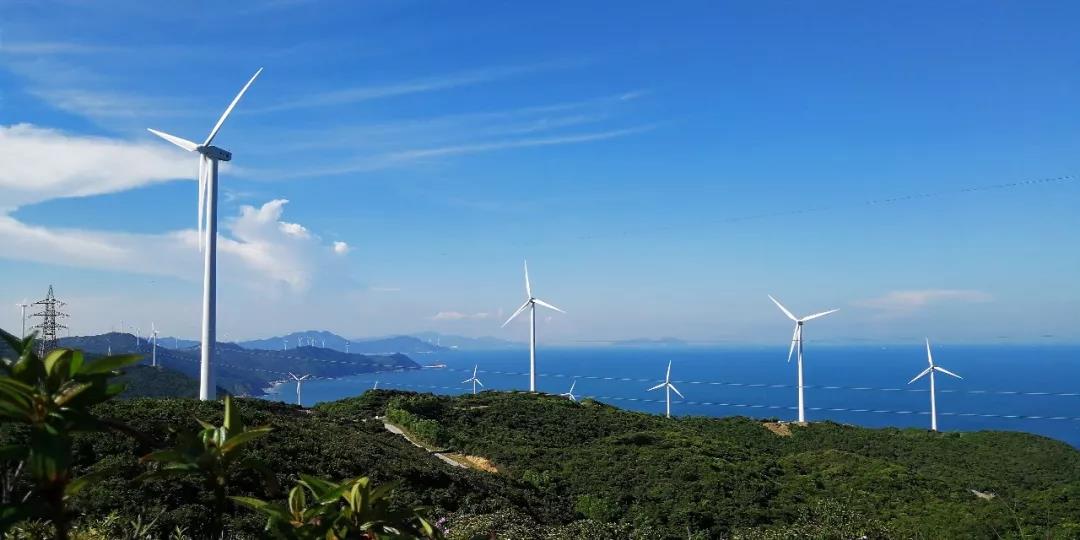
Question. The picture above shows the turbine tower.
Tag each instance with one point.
(797, 342)
(473, 379)
(930, 370)
(209, 156)
(153, 336)
(570, 393)
(530, 303)
(23, 305)
(298, 380)
(668, 387)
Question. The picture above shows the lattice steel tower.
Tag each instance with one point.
(50, 312)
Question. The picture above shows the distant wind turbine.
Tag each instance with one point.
(668, 387)
(530, 303)
(376, 385)
(570, 393)
(285, 343)
(930, 370)
(23, 305)
(797, 342)
(153, 336)
(346, 346)
(209, 156)
(474, 380)
(298, 381)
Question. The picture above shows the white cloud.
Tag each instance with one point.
(256, 247)
(459, 316)
(910, 301)
(41, 164)
(341, 248)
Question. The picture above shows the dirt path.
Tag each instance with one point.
(396, 430)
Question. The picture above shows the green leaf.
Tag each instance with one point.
(233, 422)
(275, 511)
(243, 438)
(70, 393)
(109, 364)
(85, 480)
(52, 358)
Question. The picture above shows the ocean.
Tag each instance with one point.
(1034, 389)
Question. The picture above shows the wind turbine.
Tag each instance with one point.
(153, 335)
(298, 381)
(23, 305)
(474, 380)
(209, 156)
(797, 339)
(930, 370)
(530, 303)
(570, 393)
(286, 344)
(668, 387)
(376, 385)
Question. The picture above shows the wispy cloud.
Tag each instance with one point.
(407, 157)
(34, 48)
(459, 316)
(357, 94)
(907, 302)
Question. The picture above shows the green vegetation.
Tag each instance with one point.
(564, 470)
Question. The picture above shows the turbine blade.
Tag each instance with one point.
(782, 308)
(794, 339)
(466, 380)
(676, 390)
(178, 141)
(518, 312)
(929, 355)
(224, 115)
(478, 382)
(817, 315)
(528, 287)
(920, 375)
(547, 305)
(947, 372)
(661, 385)
(668, 376)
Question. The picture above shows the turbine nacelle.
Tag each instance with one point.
(215, 153)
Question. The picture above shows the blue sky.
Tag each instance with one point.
(663, 167)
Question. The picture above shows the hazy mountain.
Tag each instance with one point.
(466, 343)
(246, 371)
(329, 340)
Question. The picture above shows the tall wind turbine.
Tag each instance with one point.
(930, 370)
(668, 387)
(209, 156)
(298, 381)
(797, 342)
(530, 303)
(474, 380)
(23, 305)
(570, 393)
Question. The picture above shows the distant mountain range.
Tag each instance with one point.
(242, 370)
(329, 340)
(467, 343)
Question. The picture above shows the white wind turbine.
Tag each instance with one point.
(209, 156)
(376, 385)
(669, 387)
(797, 342)
(23, 305)
(930, 370)
(570, 393)
(530, 303)
(153, 336)
(474, 380)
(298, 380)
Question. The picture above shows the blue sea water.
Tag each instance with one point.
(1035, 389)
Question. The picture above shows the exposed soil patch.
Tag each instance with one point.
(779, 428)
(474, 462)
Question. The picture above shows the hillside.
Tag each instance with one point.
(570, 471)
(330, 340)
(243, 371)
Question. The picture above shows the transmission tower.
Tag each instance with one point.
(50, 312)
